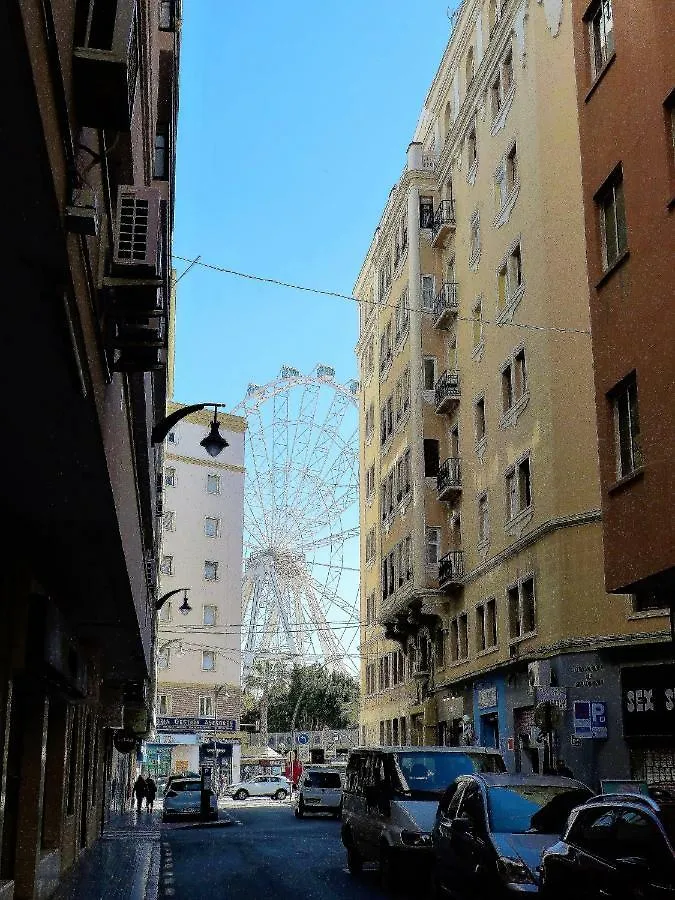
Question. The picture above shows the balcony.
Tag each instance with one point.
(444, 223)
(451, 570)
(446, 392)
(446, 305)
(449, 479)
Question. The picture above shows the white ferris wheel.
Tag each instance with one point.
(300, 593)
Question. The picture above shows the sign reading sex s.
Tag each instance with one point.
(648, 700)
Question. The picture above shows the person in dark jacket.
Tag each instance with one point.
(139, 791)
(562, 769)
(150, 792)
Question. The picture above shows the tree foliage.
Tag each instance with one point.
(323, 699)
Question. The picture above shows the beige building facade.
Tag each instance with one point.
(199, 655)
(481, 557)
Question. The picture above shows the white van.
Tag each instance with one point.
(390, 798)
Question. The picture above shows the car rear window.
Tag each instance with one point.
(186, 786)
(433, 772)
(524, 808)
(323, 780)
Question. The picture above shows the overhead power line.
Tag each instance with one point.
(223, 270)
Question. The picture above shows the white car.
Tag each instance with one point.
(261, 786)
(320, 790)
(184, 797)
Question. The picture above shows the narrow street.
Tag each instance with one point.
(265, 852)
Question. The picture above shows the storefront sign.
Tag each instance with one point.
(175, 739)
(556, 696)
(590, 719)
(589, 675)
(648, 701)
(188, 723)
(487, 697)
(124, 741)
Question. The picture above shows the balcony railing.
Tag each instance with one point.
(444, 223)
(446, 391)
(446, 305)
(451, 569)
(449, 478)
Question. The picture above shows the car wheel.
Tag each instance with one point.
(281, 794)
(354, 861)
(241, 794)
(388, 869)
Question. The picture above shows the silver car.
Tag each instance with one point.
(183, 798)
(320, 790)
(261, 786)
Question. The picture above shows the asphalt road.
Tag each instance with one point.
(266, 854)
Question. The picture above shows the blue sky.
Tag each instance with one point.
(294, 121)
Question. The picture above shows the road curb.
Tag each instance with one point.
(221, 823)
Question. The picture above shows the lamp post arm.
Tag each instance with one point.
(162, 600)
(161, 429)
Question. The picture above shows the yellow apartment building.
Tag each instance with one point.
(482, 594)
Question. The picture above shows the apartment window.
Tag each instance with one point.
(403, 476)
(370, 545)
(627, 427)
(429, 373)
(404, 234)
(496, 95)
(479, 416)
(669, 107)
(427, 288)
(469, 67)
(430, 457)
(213, 484)
(522, 609)
(459, 638)
(386, 420)
(402, 315)
(169, 520)
(211, 527)
(474, 244)
(370, 481)
(426, 212)
(601, 35)
(165, 612)
(477, 323)
(370, 422)
(405, 390)
(486, 625)
(645, 600)
(209, 615)
(518, 488)
(520, 372)
(208, 660)
(370, 609)
(507, 73)
(166, 565)
(612, 212)
(507, 388)
(514, 380)
(170, 477)
(210, 571)
(163, 705)
(206, 707)
(161, 162)
(433, 544)
(483, 519)
(163, 659)
(167, 15)
(471, 148)
(511, 168)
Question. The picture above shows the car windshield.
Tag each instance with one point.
(523, 808)
(186, 786)
(323, 780)
(429, 774)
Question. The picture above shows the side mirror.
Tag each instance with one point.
(462, 825)
(633, 869)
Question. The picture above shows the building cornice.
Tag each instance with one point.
(207, 463)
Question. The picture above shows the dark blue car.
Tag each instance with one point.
(491, 831)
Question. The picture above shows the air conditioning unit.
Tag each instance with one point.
(105, 63)
(539, 674)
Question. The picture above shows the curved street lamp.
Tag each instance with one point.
(213, 443)
(184, 608)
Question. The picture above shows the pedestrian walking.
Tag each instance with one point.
(562, 769)
(139, 791)
(150, 792)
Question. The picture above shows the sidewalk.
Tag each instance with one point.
(123, 864)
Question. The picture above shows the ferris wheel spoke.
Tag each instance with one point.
(252, 524)
(333, 599)
(338, 537)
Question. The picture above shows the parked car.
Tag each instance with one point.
(614, 846)
(183, 799)
(171, 778)
(491, 830)
(320, 790)
(276, 786)
(390, 798)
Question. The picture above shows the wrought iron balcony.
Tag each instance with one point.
(446, 392)
(449, 479)
(451, 569)
(444, 223)
(446, 305)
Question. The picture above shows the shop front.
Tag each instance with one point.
(648, 709)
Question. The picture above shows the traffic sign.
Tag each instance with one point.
(302, 738)
(590, 719)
